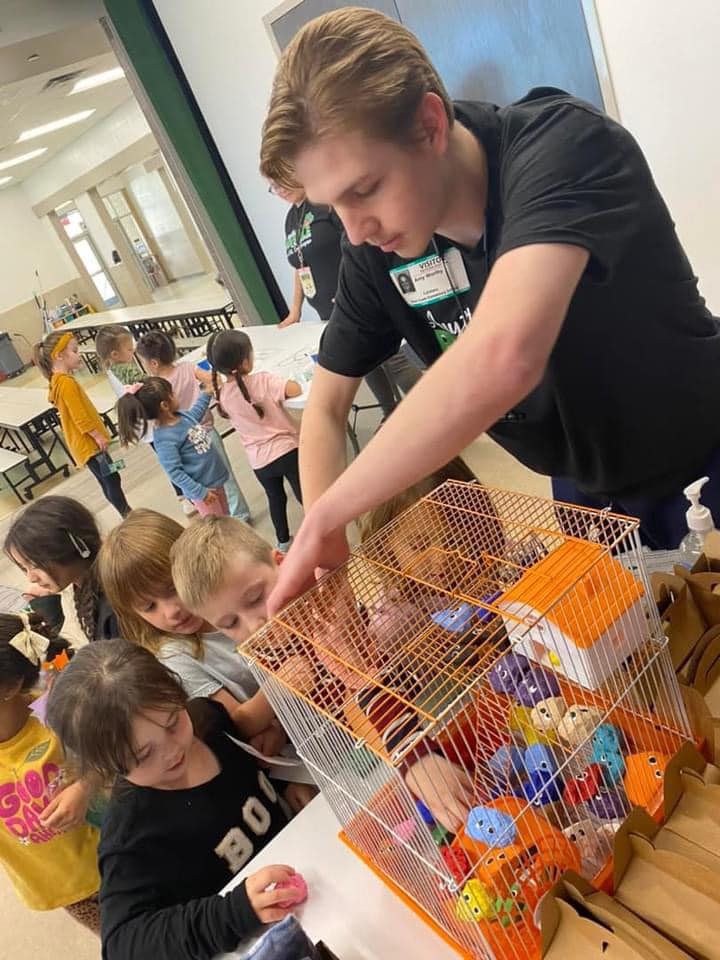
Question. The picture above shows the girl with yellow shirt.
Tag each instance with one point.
(46, 847)
(58, 357)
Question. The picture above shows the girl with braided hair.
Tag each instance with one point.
(253, 402)
(55, 542)
(159, 356)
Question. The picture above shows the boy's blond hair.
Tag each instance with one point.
(200, 556)
(351, 69)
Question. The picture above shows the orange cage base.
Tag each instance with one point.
(506, 943)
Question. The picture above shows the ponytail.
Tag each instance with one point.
(142, 404)
(42, 352)
(132, 419)
(227, 350)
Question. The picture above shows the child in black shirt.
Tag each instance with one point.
(188, 810)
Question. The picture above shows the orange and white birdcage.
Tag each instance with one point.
(482, 692)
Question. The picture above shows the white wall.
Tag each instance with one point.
(113, 134)
(662, 57)
(159, 213)
(96, 228)
(26, 244)
(233, 100)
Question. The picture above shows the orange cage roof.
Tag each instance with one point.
(580, 588)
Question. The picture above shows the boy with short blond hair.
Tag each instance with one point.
(222, 570)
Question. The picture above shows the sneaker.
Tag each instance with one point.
(188, 508)
(284, 547)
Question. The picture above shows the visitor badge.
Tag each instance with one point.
(307, 282)
(432, 278)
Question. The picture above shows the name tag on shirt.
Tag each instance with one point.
(431, 279)
(307, 282)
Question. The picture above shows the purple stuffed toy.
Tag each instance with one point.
(537, 685)
(507, 673)
(608, 805)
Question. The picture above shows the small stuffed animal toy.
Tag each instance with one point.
(606, 750)
(456, 861)
(537, 685)
(475, 903)
(644, 775)
(584, 786)
(547, 714)
(507, 673)
(491, 827)
(578, 724)
(507, 764)
(608, 805)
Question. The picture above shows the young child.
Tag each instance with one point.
(57, 357)
(254, 404)
(115, 349)
(224, 572)
(159, 356)
(188, 809)
(134, 568)
(182, 443)
(48, 851)
(55, 542)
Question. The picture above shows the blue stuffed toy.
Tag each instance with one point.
(491, 827)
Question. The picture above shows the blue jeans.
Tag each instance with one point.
(237, 504)
(662, 521)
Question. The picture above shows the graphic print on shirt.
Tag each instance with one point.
(24, 798)
(236, 847)
(199, 438)
(292, 241)
(432, 280)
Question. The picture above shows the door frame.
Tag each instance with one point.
(143, 49)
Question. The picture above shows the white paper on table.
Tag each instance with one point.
(290, 769)
(12, 600)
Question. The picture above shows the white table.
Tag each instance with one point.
(186, 312)
(27, 418)
(348, 907)
(282, 352)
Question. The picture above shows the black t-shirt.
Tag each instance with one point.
(313, 236)
(629, 400)
(165, 854)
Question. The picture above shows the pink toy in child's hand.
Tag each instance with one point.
(296, 887)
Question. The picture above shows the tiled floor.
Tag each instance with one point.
(34, 935)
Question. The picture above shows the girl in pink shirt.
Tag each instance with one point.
(254, 404)
(159, 356)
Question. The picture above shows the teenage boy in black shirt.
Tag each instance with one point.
(535, 231)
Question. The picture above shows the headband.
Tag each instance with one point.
(60, 345)
(33, 646)
(133, 387)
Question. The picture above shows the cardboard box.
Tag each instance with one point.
(597, 925)
(677, 895)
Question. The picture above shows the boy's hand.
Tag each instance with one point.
(203, 376)
(443, 787)
(263, 901)
(68, 808)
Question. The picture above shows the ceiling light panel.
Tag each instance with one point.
(54, 125)
(97, 80)
(22, 158)
(4, 180)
